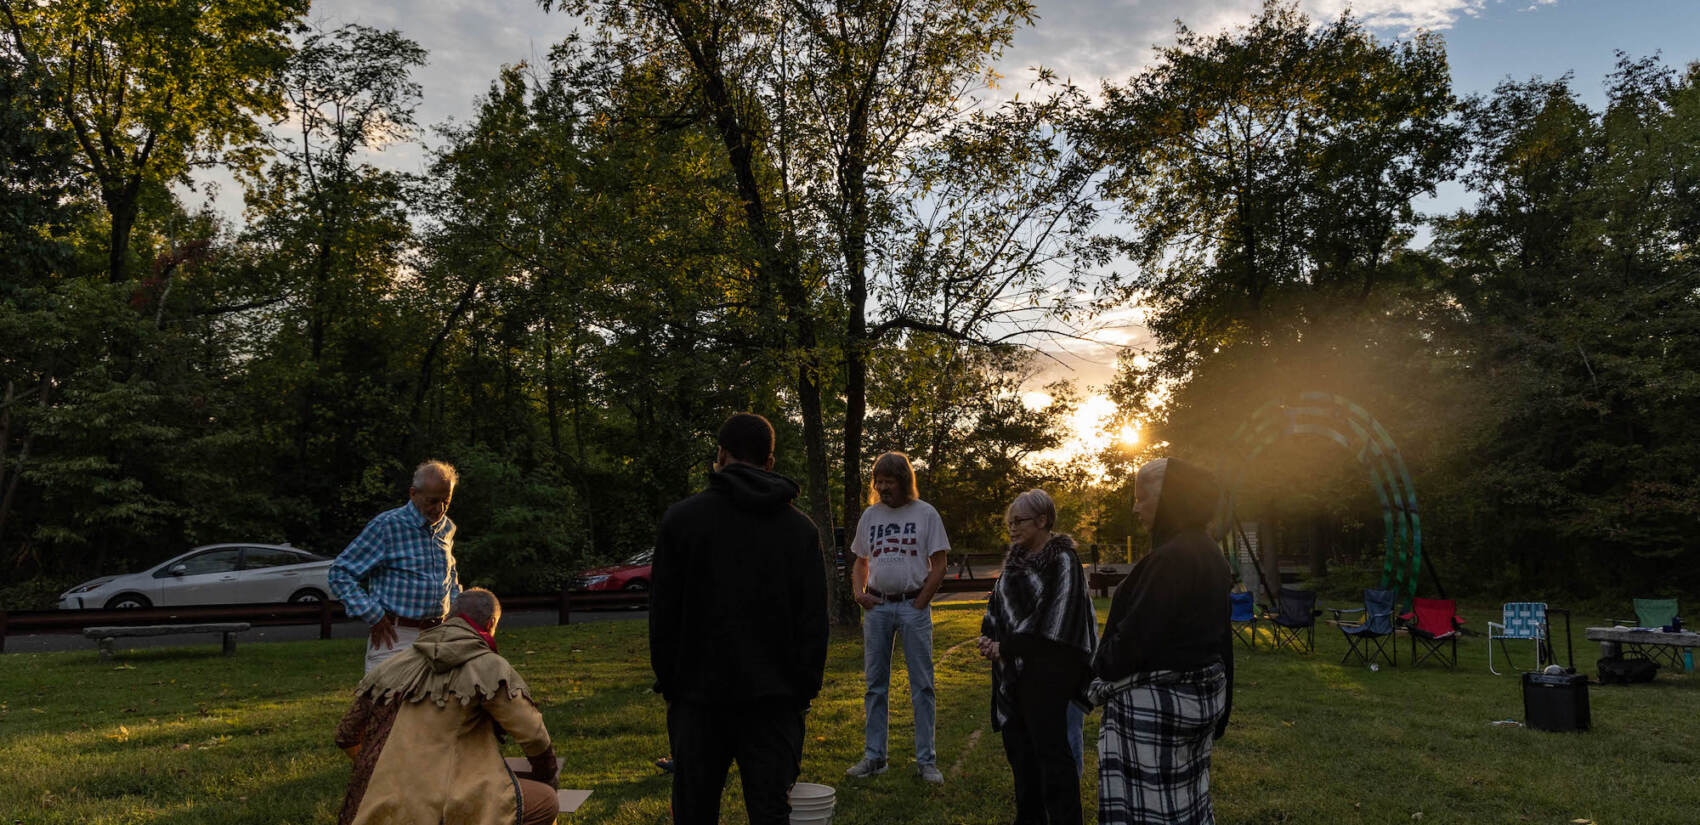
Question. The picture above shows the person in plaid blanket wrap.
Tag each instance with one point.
(1164, 668)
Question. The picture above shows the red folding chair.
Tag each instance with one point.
(1435, 623)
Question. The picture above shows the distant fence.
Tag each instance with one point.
(326, 613)
(323, 614)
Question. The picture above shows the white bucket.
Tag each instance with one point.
(812, 804)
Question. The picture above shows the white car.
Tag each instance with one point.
(214, 574)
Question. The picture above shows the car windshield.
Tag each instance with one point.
(640, 559)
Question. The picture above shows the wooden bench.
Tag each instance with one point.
(963, 563)
(1103, 580)
(106, 635)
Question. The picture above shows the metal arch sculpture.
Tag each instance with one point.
(1345, 423)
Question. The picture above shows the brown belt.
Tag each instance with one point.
(422, 624)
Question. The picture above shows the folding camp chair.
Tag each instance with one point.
(1654, 613)
(1368, 634)
(1295, 625)
(1434, 623)
(1243, 618)
(1522, 620)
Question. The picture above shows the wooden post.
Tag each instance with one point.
(566, 609)
(2, 630)
(324, 618)
(230, 643)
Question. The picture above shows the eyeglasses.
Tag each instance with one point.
(1014, 521)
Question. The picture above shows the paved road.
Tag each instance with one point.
(49, 642)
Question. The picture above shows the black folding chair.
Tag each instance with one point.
(1294, 626)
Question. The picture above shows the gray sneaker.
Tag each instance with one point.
(866, 768)
(930, 773)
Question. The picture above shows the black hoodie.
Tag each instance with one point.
(1171, 612)
(738, 603)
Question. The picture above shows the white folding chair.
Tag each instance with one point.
(1523, 620)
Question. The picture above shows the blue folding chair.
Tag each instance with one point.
(1368, 633)
(1526, 621)
(1243, 618)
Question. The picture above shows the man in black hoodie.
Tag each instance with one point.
(738, 630)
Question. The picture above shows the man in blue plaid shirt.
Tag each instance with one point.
(399, 574)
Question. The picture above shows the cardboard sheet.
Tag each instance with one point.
(569, 799)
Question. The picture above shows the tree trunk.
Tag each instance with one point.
(1273, 547)
(123, 214)
(856, 346)
(549, 404)
(1318, 548)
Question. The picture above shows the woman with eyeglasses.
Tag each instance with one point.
(1166, 664)
(1039, 634)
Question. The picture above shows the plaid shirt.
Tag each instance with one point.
(398, 564)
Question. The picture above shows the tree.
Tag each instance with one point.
(1575, 271)
(1267, 175)
(330, 231)
(957, 407)
(826, 111)
(148, 88)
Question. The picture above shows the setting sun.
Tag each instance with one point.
(1091, 428)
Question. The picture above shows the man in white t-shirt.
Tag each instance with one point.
(900, 548)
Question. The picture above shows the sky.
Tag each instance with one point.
(1089, 41)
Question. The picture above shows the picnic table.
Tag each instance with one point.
(1612, 639)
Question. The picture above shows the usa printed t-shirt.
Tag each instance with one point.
(897, 541)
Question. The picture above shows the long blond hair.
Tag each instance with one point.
(892, 465)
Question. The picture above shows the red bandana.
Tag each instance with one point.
(488, 639)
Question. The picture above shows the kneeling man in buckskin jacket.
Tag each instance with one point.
(424, 732)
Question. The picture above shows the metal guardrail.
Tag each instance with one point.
(324, 614)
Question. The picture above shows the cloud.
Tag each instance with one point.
(1091, 41)
(467, 41)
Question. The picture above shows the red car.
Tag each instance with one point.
(631, 574)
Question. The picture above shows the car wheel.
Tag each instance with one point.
(307, 595)
(634, 587)
(128, 601)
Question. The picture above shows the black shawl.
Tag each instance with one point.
(1171, 612)
(1039, 607)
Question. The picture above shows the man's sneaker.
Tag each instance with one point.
(930, 773)
(866, 768)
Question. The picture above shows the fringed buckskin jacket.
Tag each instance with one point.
(423, 732)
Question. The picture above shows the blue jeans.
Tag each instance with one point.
(1076, 729)
(915, 627)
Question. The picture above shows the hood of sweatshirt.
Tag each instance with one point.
(754, 489)
(1186, 500)
(450, 645)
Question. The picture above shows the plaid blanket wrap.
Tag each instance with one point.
(1154, 748)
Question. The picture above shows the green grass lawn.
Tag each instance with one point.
(186, 736)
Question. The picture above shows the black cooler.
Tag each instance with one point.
(1556, 701)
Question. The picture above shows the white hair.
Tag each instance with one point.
(479, 605)
(1150, 476)
(423, 474)
(1035, 503)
